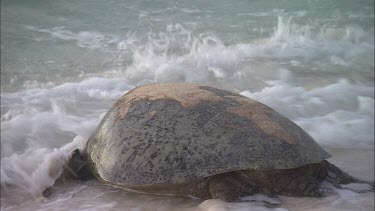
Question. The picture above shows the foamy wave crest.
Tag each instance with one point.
(339, 114)
(179, 54)
(30, 173)
(51, 117)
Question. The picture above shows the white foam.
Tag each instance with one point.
(93, 195)
(218, 205)
(339, 114)
(261, 197)
(84, 39)
(32, 172)
(51, 117)
(177, 54)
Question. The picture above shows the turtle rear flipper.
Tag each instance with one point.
(338, 177)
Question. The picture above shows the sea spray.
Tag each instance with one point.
(32, 172)
(336, 114)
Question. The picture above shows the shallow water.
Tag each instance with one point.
(63, 63)
(94, 195)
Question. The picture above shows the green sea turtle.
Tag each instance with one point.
(195, 140)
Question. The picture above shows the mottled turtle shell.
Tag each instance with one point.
(179, 132)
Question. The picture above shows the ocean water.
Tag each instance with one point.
(64, 63)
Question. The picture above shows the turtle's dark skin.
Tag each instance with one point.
(194, 140)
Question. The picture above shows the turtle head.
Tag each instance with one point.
(77, 168)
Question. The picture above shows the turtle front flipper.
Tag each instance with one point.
(230, 187)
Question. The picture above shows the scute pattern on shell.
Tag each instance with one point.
(188, 95)
(165, 140)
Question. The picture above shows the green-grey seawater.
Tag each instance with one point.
(63, 64)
